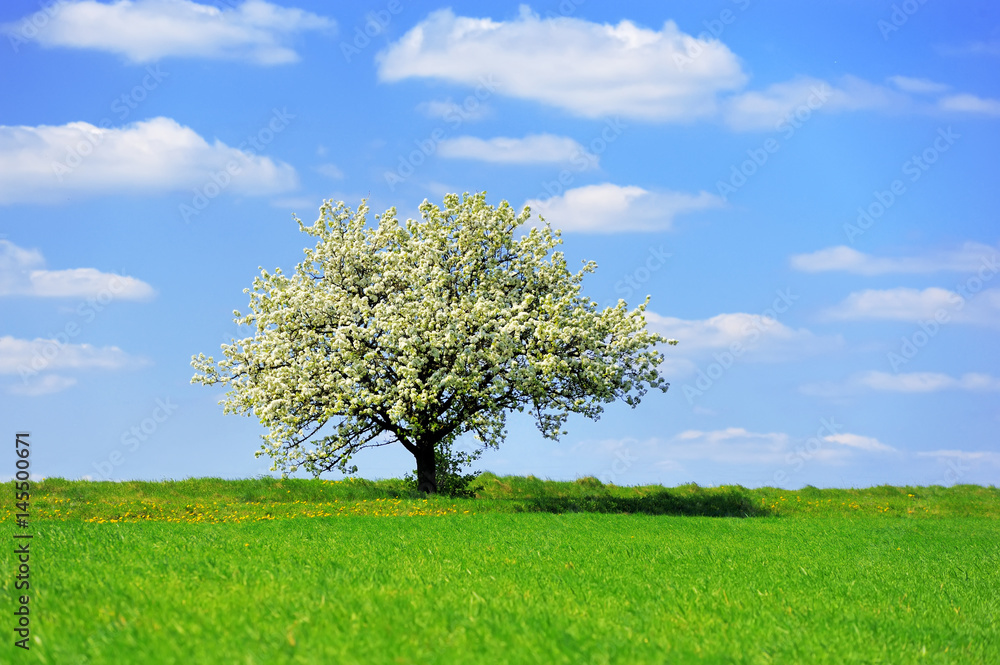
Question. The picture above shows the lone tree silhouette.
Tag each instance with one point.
(415, 334)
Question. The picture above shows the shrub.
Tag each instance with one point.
(450, 479)
(590, 482)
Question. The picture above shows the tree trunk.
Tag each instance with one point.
(426, 469)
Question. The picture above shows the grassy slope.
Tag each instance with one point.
(216, 500)
(847, 576)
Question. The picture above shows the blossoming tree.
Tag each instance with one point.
(415, 334)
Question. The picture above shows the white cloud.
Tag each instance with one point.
(925, 382)
(988, 456)
(45, 163)
(147, 30)
(866, 443)
(900, 304)
(802, 96)
(968, 258)
(28, 358)
(598, 70)
(16, 264)
(970, 104)
(330, 171)
(471, 109)
(826, 389)
(589, 69)
(904, 382)
(906, 304)
(736, 445)
(760, 338)
(609, 208)
(755, 458)
(768, 108)
(46, 384)
(532, 149)
(22, 273)
(972, 48)
(918, 85)
(733, 445)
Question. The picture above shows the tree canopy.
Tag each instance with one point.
(414, 334)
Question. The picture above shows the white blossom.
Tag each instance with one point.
(418, 333)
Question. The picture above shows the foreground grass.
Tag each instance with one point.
(532, 573)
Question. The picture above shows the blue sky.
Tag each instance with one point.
(805, 190)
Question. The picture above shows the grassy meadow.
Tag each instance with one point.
(304, 571)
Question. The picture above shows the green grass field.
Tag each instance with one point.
(294, 571)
